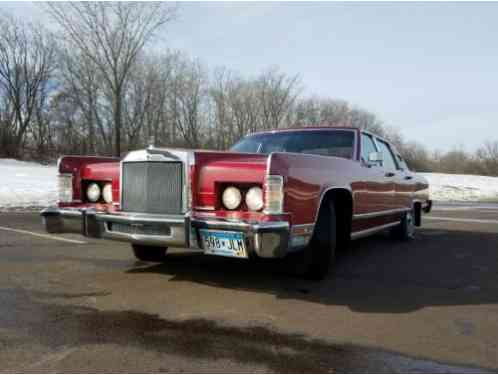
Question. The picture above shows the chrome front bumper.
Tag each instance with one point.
(72, 220)
(178, 227)
(263, 239)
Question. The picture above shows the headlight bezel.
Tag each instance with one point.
(237, 194)
(254, 192)
(107, 189)
(93, 185)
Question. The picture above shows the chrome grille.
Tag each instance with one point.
(152, 187)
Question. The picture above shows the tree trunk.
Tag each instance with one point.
(117, 122)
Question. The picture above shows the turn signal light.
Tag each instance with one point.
(274, 194)
(65, 187)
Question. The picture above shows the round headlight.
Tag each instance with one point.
(107, 193)
(231, 197)
(93, 192)
(254, 198)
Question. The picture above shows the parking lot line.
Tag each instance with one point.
(462, 220)
(42, 235)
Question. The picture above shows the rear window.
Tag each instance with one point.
(339, 143)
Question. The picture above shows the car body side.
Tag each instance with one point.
(370, 197)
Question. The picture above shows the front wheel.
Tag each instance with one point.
(317, 259)
(405, 231)
(149, 253)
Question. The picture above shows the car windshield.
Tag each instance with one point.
(339, 143)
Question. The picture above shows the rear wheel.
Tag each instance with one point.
(149, 253)
(316, 260)
(405, 231)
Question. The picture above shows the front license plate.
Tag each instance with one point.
(229, 244)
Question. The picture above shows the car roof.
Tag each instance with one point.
(304, 128)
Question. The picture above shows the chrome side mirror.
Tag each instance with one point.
(375, 157)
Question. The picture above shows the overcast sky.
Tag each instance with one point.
(429, 69)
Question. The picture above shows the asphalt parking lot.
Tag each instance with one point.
(71, 304)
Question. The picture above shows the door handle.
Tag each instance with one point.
(408, 177)
(390, 174)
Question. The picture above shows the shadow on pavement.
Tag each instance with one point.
(377, 274)
(59, 327)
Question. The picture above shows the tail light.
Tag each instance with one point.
(65, 187)
(274, 195)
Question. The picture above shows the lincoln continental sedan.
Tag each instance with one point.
(300, 194)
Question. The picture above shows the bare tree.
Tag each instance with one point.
(188, 101)
(366, 120)
(221, 80)
(324, 112)
(487, 155)
(417, 157)
(245, 106)
(81, 84)
(276, 93)
(27, 60)
(146, 99)
(111, 35)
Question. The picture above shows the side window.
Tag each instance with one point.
(389, 163)
(402, 164)
(367, 146)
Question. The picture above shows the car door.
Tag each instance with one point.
(374, 195)
(406, 186)
(390, 175)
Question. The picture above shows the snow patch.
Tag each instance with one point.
(27, 184)
(462, 188)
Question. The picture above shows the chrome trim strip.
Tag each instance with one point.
(204, 208)
(370, 215)
(367, 232)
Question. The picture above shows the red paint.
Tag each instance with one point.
(91, 168)
(307, 178)
(215, 169)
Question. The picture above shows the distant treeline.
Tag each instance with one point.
(98, 87)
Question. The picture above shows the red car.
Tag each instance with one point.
(297, 193)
